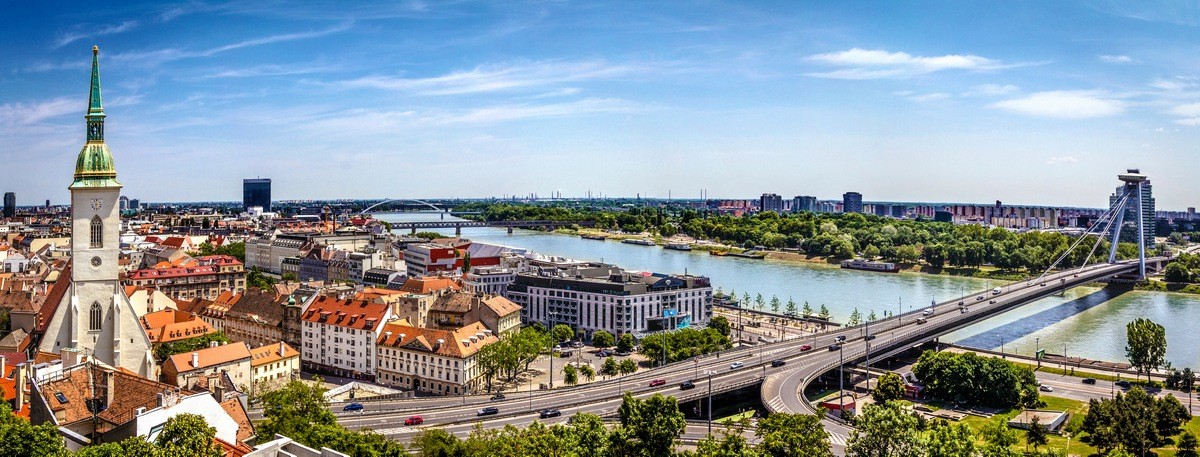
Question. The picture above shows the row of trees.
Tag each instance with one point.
(1184, 269)
(969, 378)
(776, 305)
(182, 435)
(1136, 421)
(512, 354)
(645, 428)
(889, 430)
(165, 350)
(836, 235)
(683, 344)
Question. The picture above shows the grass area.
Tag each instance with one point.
(1077, 410)
(735, 418)
(1158, 285)
(1082, 374)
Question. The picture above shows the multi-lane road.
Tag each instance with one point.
(782, 388)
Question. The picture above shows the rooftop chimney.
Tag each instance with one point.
(213, 344)
(281, 349)
(195, 359)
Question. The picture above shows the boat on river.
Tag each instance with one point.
(749, 255)
(594, 237)
(678, 246)
(639, 242)
(869, 265)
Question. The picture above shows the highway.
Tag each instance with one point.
(782, 389)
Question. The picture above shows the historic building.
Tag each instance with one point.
(94, 314)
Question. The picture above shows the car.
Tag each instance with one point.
(736, 365)
(1042, 284)
(962, 303)
(658, 382)
(687, 385)
(577, 344)
(415, 420)
(548, 413)
(991, 302)
(927, 312)
(870, 337)
(1123, 384)
(962, 310)
(834, 347)
(778, 363)
(805, 348)
(353, 407)
(922, 320)
(624, 353)
(979, 298)
(840, 338)
(1045, 388)
(1089, 380)
(498, 396)
(491, 410)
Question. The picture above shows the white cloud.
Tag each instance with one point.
(499, 77)
(931, 97)
(876, 64)
(158, 56)
(68, 38)
(1189, 122)
(1064, 105)
(20, 114)
(990, 90)
(1061, 159)
(1122, 59)
(1191, 110)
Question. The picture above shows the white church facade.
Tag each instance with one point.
(95, 316)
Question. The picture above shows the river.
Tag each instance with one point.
(1090, 321)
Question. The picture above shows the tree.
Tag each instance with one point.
(187, 435)
(134, 445)
(587, 372)
(255, 278)
(1037, 433)
(1187, 444)
(436, 442)
(290, 277)
(603, 339)
(871, 317)
(871, 252)
(18, 438)
(466, 267)
(824, 312)
(883, 430)
(625, 343)
(655, 423)
(998, 439)
(760, 303)
(1147, 345)
(855, 318)
(294, 408)
(783, 435)
(890, 387)
(1177, 272)
(165, 350)
(791, 307)
(628, 366)
(951, 441)
(562, 332)
(807, 310)
(570, 375)
(775, 304)
(720, 324)
(610, 367)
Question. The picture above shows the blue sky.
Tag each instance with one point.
(1022, 101)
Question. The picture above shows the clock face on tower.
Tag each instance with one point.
(97, 204)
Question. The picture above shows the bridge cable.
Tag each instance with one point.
(1120, 203)
(1111, 216)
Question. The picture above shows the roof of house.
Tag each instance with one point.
(209, 357)
(359, 314)
(457, 302)
(171, 325)
(271, 353)
(501, 306)
(396, 334)
(77, 383)
(237, 412)
(265, 307)
(429, 284)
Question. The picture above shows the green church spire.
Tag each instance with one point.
(94, 167)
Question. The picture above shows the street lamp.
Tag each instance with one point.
(841, 385)
(900, 315)
(550, 329)
(1037, 349)
(696, 367)
(709, 373)
(867, 342)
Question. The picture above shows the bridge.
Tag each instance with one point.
(390, 200)
(458, 225)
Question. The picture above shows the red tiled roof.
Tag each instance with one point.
(426, 338)
(358, 314)
(209, 357)
(270, 353)
(170, 325)
(172, 272)
(233, 407)
(427, 285)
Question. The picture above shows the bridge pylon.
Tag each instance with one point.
(1131, 194)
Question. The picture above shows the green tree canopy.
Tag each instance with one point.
(1147, 345)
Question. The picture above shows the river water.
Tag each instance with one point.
(1089, 321)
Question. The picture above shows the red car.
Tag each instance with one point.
(805, 347)
(415, 420)
(657, 382)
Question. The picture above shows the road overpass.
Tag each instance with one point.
(782, 388)
(458, 225)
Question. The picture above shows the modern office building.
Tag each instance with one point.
(256, 192)
(804, 203)
(10, 204)
(608, 298)
(770, 202)
(852, 202)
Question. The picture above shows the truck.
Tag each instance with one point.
(996, 291)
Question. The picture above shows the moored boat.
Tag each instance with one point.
(869, 265)
(678, 246)
(639, 242)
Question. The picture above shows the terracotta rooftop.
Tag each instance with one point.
(429, 285)
(234, 408)
(271, 353)
(211, 356)
(129, 392)
(501, 306)
(457, 302)
(358, 314)
(258, 305)
(425, 339)
(171, 325)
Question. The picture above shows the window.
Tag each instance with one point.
(97, 233)
(94, 320)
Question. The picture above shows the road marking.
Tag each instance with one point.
(837, 439)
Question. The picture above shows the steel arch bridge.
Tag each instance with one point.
(389, 200)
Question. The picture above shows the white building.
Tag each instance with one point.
(608, 298)
(339, 336)
(433, 361)
(490, 280)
